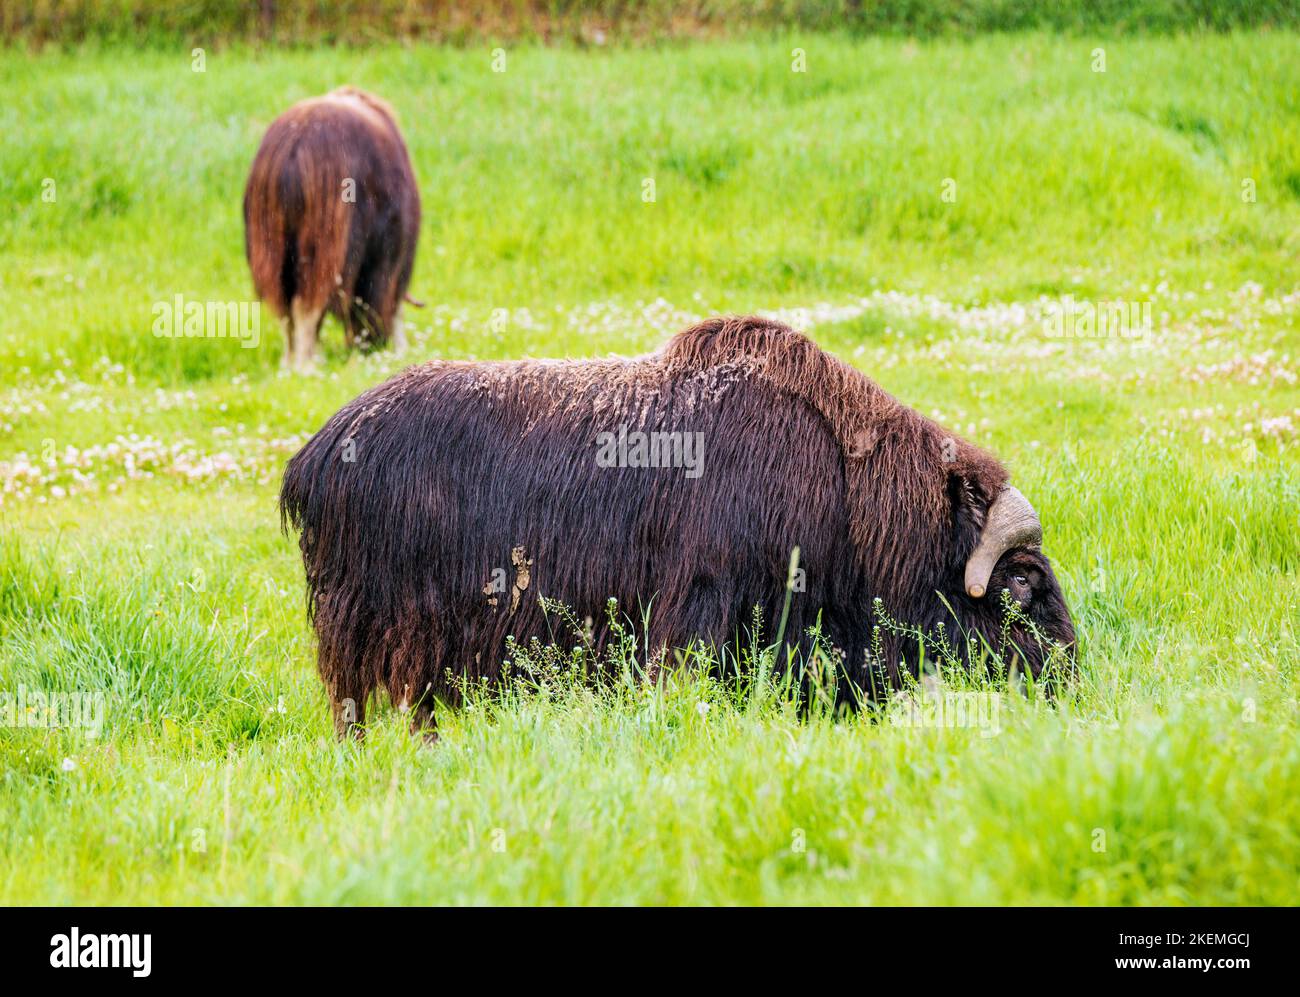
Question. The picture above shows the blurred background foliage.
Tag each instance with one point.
(359, 22)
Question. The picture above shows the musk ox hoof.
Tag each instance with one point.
(306, 368)
(291, 363)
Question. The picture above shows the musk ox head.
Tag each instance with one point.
(1010, 598)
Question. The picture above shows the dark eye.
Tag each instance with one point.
(1020, 589)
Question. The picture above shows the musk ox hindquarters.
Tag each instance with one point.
(331, 220)
(551, 477)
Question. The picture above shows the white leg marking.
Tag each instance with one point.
(306, 327)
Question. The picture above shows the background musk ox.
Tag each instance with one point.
(413, 494)
(331, 219)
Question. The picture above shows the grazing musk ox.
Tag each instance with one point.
(331, 219)
(412, 496)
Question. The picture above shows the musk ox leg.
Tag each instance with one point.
(305, 349)
(399, 333)
(701, 619)
(352, 314)
(286, 358)
(423, 720)
(378, 303)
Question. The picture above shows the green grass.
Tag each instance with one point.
(151, 571)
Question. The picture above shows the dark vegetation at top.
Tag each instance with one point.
(596, 22)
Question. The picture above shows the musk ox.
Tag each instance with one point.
(677, 483)
(331, 219)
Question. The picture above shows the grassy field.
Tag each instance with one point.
(920, 208)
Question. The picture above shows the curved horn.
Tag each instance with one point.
(1011, 522)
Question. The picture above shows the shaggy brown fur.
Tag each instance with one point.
(331, 217)
(411, 495)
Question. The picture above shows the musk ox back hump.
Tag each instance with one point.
(331, 207)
